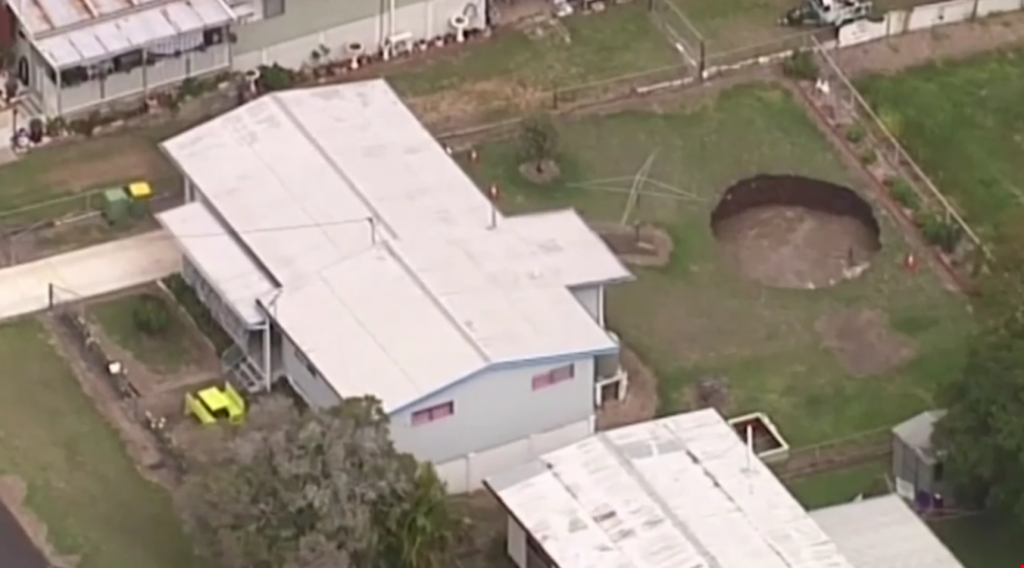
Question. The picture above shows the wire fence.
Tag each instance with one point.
(69, 314)
(680, 32)
(841, 453)
(848, 101)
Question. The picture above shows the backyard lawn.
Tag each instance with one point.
(167, 350)
(841, 486)
(696, 317)
(963, 123)
(81, 484)
(579, 49)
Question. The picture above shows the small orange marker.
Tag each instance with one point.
(473, 156)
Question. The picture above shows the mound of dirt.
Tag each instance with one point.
(864, 343)
(796, 232)
(646, 245)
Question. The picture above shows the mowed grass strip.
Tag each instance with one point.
(696, 317)
(81, 483)
(963, 122)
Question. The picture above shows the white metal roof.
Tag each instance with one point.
(238, 279)
(77, 32)
(884, 533)
(345, 176)
(679, 492)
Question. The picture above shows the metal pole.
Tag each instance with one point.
(266, 355)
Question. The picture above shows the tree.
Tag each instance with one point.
(538, 140)
(982, 436)
(316, 489)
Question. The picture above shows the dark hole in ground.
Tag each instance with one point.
(788, 231)
(764, 440)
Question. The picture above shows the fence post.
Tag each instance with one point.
(49, 295)
(702, 62)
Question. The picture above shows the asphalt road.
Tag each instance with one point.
(16, 550)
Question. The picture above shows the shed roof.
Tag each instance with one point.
(884, 533)
(377, 236)
(78, 32)
(679, 492)
(917, 432)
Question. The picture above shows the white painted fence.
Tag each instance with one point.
(467, 473)
(899, 22)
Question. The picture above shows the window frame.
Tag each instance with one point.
(433, 413)
(553, 377)
(280, 7)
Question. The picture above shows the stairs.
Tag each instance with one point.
(244, 372)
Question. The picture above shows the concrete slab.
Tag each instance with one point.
(87, 273)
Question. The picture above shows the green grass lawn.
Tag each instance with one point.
(581, 49)
(840, 486)
(963, 123)
(696, 318)
(983, 541)
(170, 351)
(81, 484)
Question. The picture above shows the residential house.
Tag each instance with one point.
(346, 253)
(293, 34)
(687, 491)
(73, 55)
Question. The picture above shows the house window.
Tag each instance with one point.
(434, 413)
(552, 377)
(272, 8)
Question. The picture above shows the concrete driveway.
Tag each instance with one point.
(16, 550)
(86, 273)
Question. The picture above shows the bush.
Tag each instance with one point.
(904, 194)
(151, 315)
(856, 133)
(868, 157)
(538, 140)
(275, 78)
(801, 66)
(940, 232)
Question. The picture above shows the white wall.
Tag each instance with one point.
(312, 388)
(592, 299)
(424, 21)
(899, 22)
(515, 543)
(467, 473)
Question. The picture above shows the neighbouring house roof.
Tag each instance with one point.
(392, 282)
(79, 32)
(884, 533)
(917, 432)
(678, 492)
(239, 280)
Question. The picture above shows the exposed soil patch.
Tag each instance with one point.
(646, 245)
(641, 402)
(125, 158)
(863, 342)
(796, 232)
(13, 491)
(546, 173)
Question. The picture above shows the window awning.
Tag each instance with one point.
(165, 28)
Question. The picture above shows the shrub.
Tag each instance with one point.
(904, 194)
(856, 133)
(801, 66)
(151, 315)
(940, 232)
(275, 78)
(868, 156)
(538, 140)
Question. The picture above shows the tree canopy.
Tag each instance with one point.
(982, 436)
(316, 489)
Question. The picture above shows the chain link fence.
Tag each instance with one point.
(836, 454)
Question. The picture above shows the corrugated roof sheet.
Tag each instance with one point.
(884, 533)
(373, 231)
(78, 32)
(679, 492)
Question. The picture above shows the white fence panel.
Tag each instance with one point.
(467, 473)
(932, 15)
(989, 7)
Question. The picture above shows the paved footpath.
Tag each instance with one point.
(87, 273)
